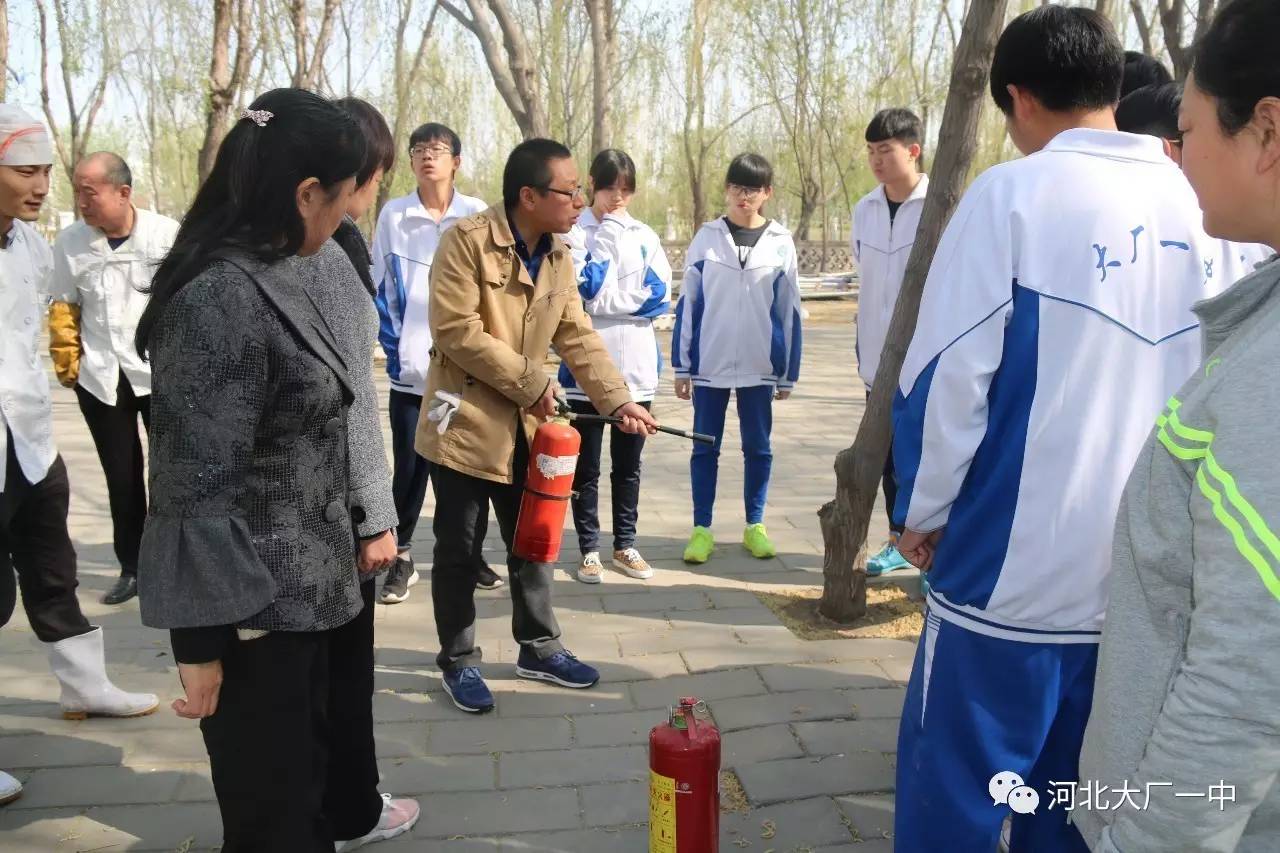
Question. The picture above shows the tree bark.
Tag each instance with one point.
(225, 76)
(406, 81)
(1171, 22)
(1144, 27)
(845, 519)
(1106, 7)
(604, 49)
(515, 74)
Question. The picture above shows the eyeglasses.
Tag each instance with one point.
(435, 152)
(573, 194)
(745, 193)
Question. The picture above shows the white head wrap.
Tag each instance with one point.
(24, 141)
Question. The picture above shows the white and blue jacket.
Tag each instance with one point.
(1055, 323)
(624, 278)
(738, 327)
(404, 244)
(881, 246)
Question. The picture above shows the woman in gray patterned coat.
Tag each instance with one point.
(247, 553)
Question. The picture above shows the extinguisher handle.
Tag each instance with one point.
(701, 438)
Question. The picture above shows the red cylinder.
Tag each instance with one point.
(547, 488)
(684, 783)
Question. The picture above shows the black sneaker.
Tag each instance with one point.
(400, 577)
(488, 578)
(125, 588)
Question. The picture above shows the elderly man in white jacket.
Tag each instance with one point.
(34, 492)
(102, 268)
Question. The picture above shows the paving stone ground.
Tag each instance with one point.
(809, 727)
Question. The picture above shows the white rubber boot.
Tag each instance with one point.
(80, 668)
(10, 788)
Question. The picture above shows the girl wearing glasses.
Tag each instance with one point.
(737, 330)
(624, 282)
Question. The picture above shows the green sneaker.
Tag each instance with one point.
(700, 546)
(757, 541)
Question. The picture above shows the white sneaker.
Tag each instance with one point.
(632, 564)
(80, 667)
(398, 817)
(10, 788)
(590, 569)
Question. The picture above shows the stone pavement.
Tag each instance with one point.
(809, 727)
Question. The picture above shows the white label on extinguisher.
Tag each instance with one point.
(662, 813)
(556, 466)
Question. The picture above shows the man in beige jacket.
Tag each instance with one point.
(503, 290)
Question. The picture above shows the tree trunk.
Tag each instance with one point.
(515, 74)
(1106, 7)
(218, 112)
(1171, 21)
(604, 36)
(1144, 27)
(845, 519)
(406, 81)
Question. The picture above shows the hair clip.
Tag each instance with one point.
(258, 117)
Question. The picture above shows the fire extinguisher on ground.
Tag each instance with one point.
(684, 783)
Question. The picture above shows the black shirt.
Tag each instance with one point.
(745, 238)
(117, 242)
(893, 208)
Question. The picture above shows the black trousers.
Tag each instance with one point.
(624, 477)
(462, 513)
(291, 744)
(410, 472)
(34, 541)
(889, 484)
(115, 435)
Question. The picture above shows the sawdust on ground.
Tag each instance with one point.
(890, 613)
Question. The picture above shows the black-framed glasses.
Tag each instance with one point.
(573, 194)
(745, 193)
(434, 152)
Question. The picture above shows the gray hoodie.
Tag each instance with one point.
(1188, 689)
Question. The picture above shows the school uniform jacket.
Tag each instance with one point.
(736, 326)
(624, 279)
(1055, 322)
(881, 248)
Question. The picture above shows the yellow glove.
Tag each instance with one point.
(64, 342)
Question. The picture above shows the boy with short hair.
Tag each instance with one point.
(404, 246)
(885, 222)
(1055, 323)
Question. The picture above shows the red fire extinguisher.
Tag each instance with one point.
(684, 783)
(552, 460)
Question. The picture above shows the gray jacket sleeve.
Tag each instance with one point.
(370, 476)
(197, 564)
(1219, 723)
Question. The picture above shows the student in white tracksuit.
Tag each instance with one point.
(737, 330)
(404, 246)
(885, 222)
(624, 279)
(1055, 322)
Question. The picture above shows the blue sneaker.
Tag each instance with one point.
(888, 560)
(467, 689)
(561, 668)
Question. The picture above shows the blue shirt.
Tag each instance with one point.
(532, 261)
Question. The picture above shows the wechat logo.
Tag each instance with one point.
(1007, 788)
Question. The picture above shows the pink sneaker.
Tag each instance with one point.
(398, 817)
